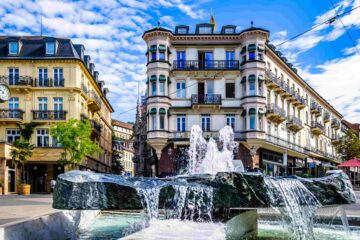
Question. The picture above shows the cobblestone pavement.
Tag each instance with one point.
(17, 207)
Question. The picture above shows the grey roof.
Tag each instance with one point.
(34, 47)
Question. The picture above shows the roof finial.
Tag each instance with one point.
(158, 24)
(252, 23)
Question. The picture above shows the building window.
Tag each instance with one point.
(261, 124)
(42, 137)
(205, 122)
(181, 89)
(50, 48)
(13, 48)
(260, 89)
(42, 103)
(229, 31)
(182, 30)
(153, 56)
(230, 57)
(230, 120)
(180, 57)
(43, 77)
(55, 142)
(230, 90)
(251, 56)
(12, 135)
(205, 30)
(153, 121)
(243, 59)
(244, 88)
(13, 76)
(162, 56)
(260, 56)
(252, 118)
(13, 105)
(58, 108)
(181, 122)
(162, 121)
(153, 88)
(58, 77)
(162, 88)
(251, 88)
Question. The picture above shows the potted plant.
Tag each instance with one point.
(20, 152)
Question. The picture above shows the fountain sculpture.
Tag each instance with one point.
(211, 190)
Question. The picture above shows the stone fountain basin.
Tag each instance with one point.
(83, 190)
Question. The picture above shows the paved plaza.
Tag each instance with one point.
(15, 208)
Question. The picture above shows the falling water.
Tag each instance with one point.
(206, 157)
(296, 204)
(150, 200)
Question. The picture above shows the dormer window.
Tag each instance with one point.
(205, 30)
(13, 48)
(229, 30)
(50, 48)
(182, 30)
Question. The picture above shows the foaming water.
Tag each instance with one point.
(150, 200)
(206, 157)
(297, 205)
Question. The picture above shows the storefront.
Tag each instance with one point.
(39, 175)
(296, 166)
(273, 163)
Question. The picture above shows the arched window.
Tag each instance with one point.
(252, 117)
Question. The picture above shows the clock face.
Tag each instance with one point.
(4, 93)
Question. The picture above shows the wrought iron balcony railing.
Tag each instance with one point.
(272, 108)
(206, 99)
(284, 143)
(96, 126)
(49, 82)
(318, 125)
(206, 65)
(17, 80)
(11, 113)
(49, 115)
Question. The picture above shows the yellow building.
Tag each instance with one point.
(50, 80)
(123, 143)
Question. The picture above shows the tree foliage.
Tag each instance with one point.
(349, 146)
(22, 149)
(75, 137)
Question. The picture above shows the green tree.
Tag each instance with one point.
(349, 146)
(75, 137)
(22, 149)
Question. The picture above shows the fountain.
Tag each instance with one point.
(214, 191)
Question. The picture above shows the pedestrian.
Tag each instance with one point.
(52, 185)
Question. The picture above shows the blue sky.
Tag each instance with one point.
(111, 32)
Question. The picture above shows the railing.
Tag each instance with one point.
(316, 107)
(182, 136)
(84, 88)
(207, 99)
(335, 137)
(17, 80)
(11, 113)
(49, 82)
(94, 96)
(294, 120)
(96, 126)
(272, 108)
(283, 85)
(49, 115)
(206, 64)
(49, 145)
(315, 124)
(327, 116)
(335, 123)
(284, 143)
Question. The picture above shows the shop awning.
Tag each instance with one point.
(162, 48)
(153, 48)
(252, 78)
(162, 78)
(162, 111)
(350, 163)
(153, 111)
(252, 48)
(153, 78)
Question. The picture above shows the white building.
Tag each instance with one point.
(214, 79)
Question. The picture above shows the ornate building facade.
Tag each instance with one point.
(51, 80)
(214, 79)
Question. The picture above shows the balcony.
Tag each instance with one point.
(335, 123)
(17, 81)
(317, 128)
(185, 136)
(206, 100)
(327, 117)
(11, 115)
(335, 138)
(275, 113)
(94, 101)
(96, 127)
(284, 143)
(49, 115)
(49, 82)
(206, 65)
(294, 124)
(316, 109)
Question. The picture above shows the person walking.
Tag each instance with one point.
(52, 185)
